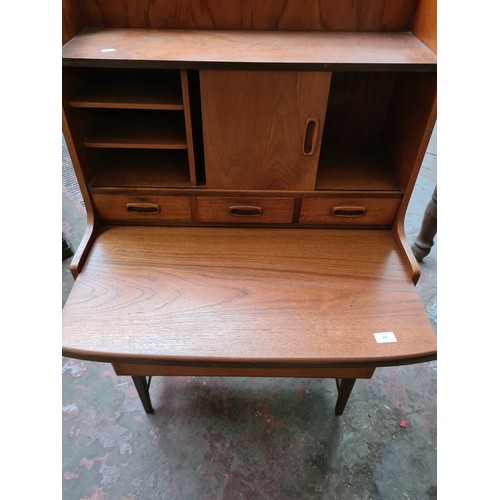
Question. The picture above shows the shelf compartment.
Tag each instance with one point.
(140, 169)
(371, 121)
(137, 129)
(355, 170)
(117, 88)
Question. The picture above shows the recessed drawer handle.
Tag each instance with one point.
(143, 208)
(245, 211)
(348, 211)
(310, 136)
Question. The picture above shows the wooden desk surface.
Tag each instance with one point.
(244, 296)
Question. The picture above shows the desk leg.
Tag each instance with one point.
(344, 389)
(142, 386)
(425, 238)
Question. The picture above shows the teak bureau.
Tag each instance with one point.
(246, 172)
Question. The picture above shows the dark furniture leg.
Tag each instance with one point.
(425, 239)
(67, 252)
(344, 388)
(142, 385)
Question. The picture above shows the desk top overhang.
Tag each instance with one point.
(261, 297)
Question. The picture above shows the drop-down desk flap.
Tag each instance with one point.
(262, 298)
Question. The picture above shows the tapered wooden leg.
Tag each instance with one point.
(344, 389)
(142, 386)
(425, 238)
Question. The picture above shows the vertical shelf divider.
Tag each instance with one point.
(189, 130)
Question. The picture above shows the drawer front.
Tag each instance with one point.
(137, 207)
(349, 211)
(245, 210)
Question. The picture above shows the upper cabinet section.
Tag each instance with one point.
(248, 50)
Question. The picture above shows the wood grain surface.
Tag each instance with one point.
(245, 296)
(121, 168)
(381, 211)
(352, 15)
(254, 125)
(219, 209)
(169, 208)
(195, 49)
(137, 129)
(425, 23)
(126, 96)
(223, 371)
(354, 169)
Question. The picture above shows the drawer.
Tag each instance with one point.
(245, 210)
(349, 211)
(138, 207)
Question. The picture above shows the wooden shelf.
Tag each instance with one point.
(129, 96)
(135, 129)
(216, 48)
(355, 170)
(140, 169)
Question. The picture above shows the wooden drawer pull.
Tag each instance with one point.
(245, 211)
(143, 208)
(348, 211)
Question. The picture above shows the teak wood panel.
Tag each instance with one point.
(142, 207)
(72, 20)
(210, 49)
(357, 109)
(247, 296)
(245, 210)
(122, 168)
(254, 128)
(126, 96)
(125, 88)
(355, 169)
(136, 129)
(412, 111)
(349, 211)
(352, 15)
(425, 23)
(221, 371)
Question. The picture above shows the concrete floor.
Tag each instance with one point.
(250, 438)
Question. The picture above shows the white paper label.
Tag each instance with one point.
(107, 50)
(384, 337)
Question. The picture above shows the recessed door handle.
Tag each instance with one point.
(311, 136)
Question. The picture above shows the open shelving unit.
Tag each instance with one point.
(139, 120)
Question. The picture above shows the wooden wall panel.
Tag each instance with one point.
(425, 23)
(411, 114)
(357, 108)
(72, 21)
(353, 15)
